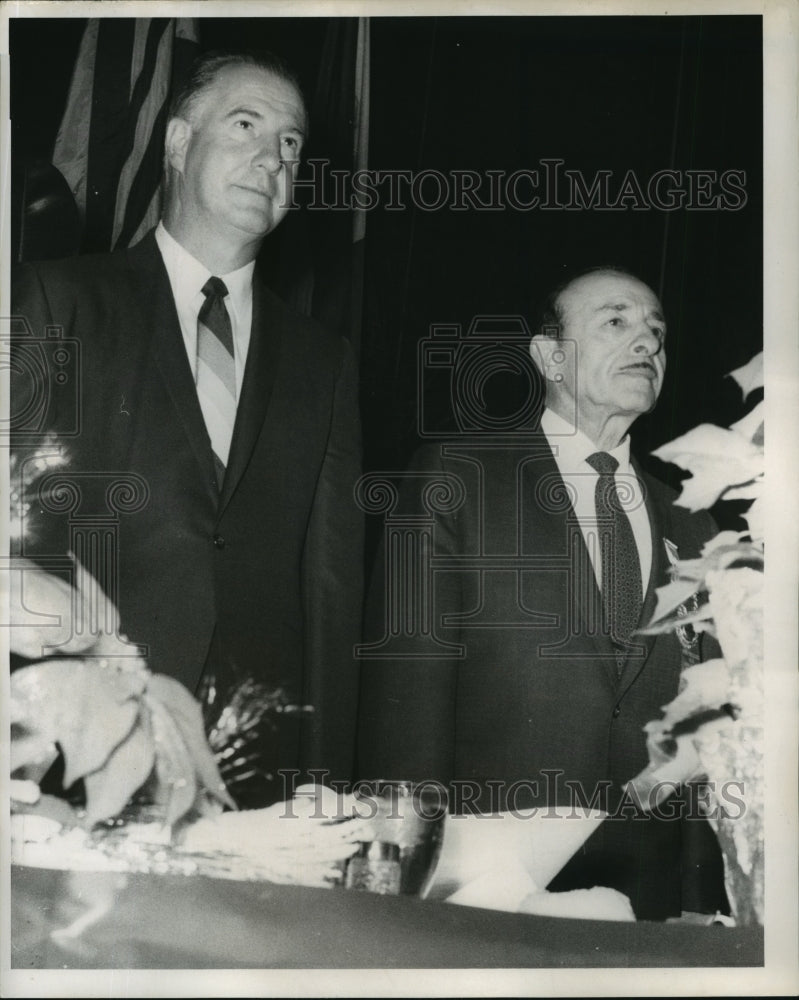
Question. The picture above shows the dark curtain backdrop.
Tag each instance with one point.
(502, 94)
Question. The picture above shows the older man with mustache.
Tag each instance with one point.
(546, 572)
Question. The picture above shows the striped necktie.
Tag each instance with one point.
(216, 372)
(622, 593)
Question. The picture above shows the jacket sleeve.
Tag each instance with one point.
(407, 707)
(40, 387)
(332, 575)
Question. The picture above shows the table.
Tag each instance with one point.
(105, 920)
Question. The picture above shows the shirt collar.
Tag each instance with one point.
(572, 447)
(188, 275)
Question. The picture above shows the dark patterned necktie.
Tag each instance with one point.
(622, 594)
(216, 372)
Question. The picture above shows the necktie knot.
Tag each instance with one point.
(214, 317)
(214, 288)
(603, 463)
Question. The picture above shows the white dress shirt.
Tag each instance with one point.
(571, 448)
(187, 277)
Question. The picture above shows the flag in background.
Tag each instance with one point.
(360, 140)
(331, 288)
(110, 143)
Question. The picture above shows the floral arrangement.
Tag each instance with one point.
(119, 727)
(713, 729)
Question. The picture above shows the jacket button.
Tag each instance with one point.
(219, 542)
(616, 712)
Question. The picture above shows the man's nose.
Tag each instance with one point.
(268, 154)
(647, 341)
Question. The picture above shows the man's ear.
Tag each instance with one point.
(548, 356)
(178, 134)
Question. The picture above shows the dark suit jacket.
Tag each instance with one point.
(262, 580)
(533, 711)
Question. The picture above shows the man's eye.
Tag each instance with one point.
(615, 321)
(244, 123)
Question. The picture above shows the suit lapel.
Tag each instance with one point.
(168, 350)
(558, 531)
(658, 577)
(263, 357)
(585, 594)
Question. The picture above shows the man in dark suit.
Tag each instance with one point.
(531, 686)
(217, 432)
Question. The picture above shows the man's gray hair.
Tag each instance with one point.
(207, 68)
